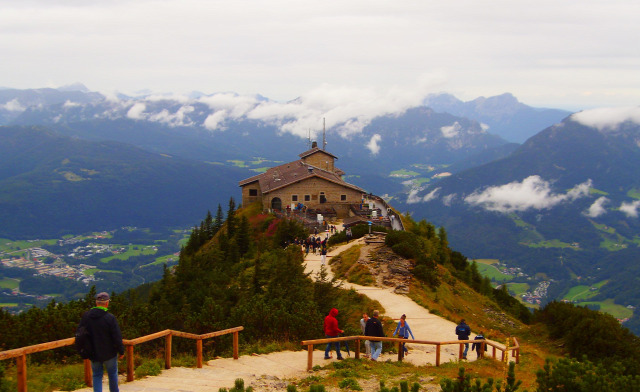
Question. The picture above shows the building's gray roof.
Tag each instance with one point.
(292, 172)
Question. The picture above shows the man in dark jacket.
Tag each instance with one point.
(478, 346)
(463, 331)
(106, 339)
(331, 330)
(374, 328)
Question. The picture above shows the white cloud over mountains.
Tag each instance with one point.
(605, 119)
(532, 193)
(451, 131)
(346, 110)
(630, 209)
(597, 208)
(374, 144)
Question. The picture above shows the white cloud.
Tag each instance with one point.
(630, 209)
(13, 106)
(374, 145)
(69, 104)
(597, 208)
(451, 131)
(178, 118)
(413, 197)
(607, 118)
(532, 193)
(215, 119)
(137, 111)
(448, 199)
(431, 195)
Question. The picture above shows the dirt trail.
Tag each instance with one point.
(267, 372)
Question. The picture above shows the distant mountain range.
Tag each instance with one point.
(52, 185)
(503, 115)
(564, 204)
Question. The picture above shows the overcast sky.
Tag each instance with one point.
(565, 54)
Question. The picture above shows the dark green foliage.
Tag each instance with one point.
(598, 336)
(569, 375)
(419, 245)
(464, 384)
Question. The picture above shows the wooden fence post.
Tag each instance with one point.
(460, 351)
(357, 352)
(235, 345)
(309, 357)
(494, 352)
(21, 364)
(130, 363)
(400, 351)
(199, 353)
(437, 355)
(483, 346)
(88, 373)
(167, 351)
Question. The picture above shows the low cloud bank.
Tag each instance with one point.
(630, 209)
(605, 119)
(532, 193)
(597, 208)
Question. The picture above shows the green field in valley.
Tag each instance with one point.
(9, 283)
(607, 306)
(92, 271)
(132, 250)
(518, 288)
(493, 273)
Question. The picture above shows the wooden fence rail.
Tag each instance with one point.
(515, 349)
(21, 353)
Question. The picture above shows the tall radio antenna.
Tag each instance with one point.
(324, 137)
(309, 139)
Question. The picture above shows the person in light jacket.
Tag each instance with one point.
(403, 330)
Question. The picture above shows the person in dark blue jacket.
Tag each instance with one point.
(106, 339)
(463, 331)
(478, 346)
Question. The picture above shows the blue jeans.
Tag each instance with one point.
(466, 348)
(376, 349)
(327, 351)
(112, 372)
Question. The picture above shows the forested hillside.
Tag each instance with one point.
(240, 271)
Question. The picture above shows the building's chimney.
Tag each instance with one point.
(314, 144)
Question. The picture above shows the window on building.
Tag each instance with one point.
(253, 192)
(294, 197)
(307, 197)
(343, 197)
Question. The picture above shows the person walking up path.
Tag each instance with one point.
(374, 328)
(331, 330)
(403, 331)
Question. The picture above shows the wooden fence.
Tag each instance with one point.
(20, 354)
(515, 349)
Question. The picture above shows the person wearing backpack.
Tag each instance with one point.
(105, 340)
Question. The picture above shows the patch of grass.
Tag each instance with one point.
(346, 266)
(151, 367)
(92, 271)
(237, 162)
(518, 288)
(132, 250)
(487, 261)
(634, 193)
(608, 306)
(493, 273)
(9, 283)
(580, 293)
(8, 305)
(552, 244)
(260, 169)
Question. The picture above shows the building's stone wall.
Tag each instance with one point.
(312, 187)
(322, 160)
(247, 198)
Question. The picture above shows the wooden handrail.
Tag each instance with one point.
(310, 343)
(21, 353)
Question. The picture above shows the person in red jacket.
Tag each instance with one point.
(331, 330)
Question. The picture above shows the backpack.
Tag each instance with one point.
(83, 343)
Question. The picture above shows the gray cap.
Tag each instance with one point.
(102, 297)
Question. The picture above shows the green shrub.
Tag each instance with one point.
(350, 383)
(65, 378)
(149, 368)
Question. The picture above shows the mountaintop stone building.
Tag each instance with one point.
(312, 182)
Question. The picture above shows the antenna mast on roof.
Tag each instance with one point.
(324, 138)
(309, 140)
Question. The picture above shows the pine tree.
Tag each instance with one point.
(217, 224)
(231, 218)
